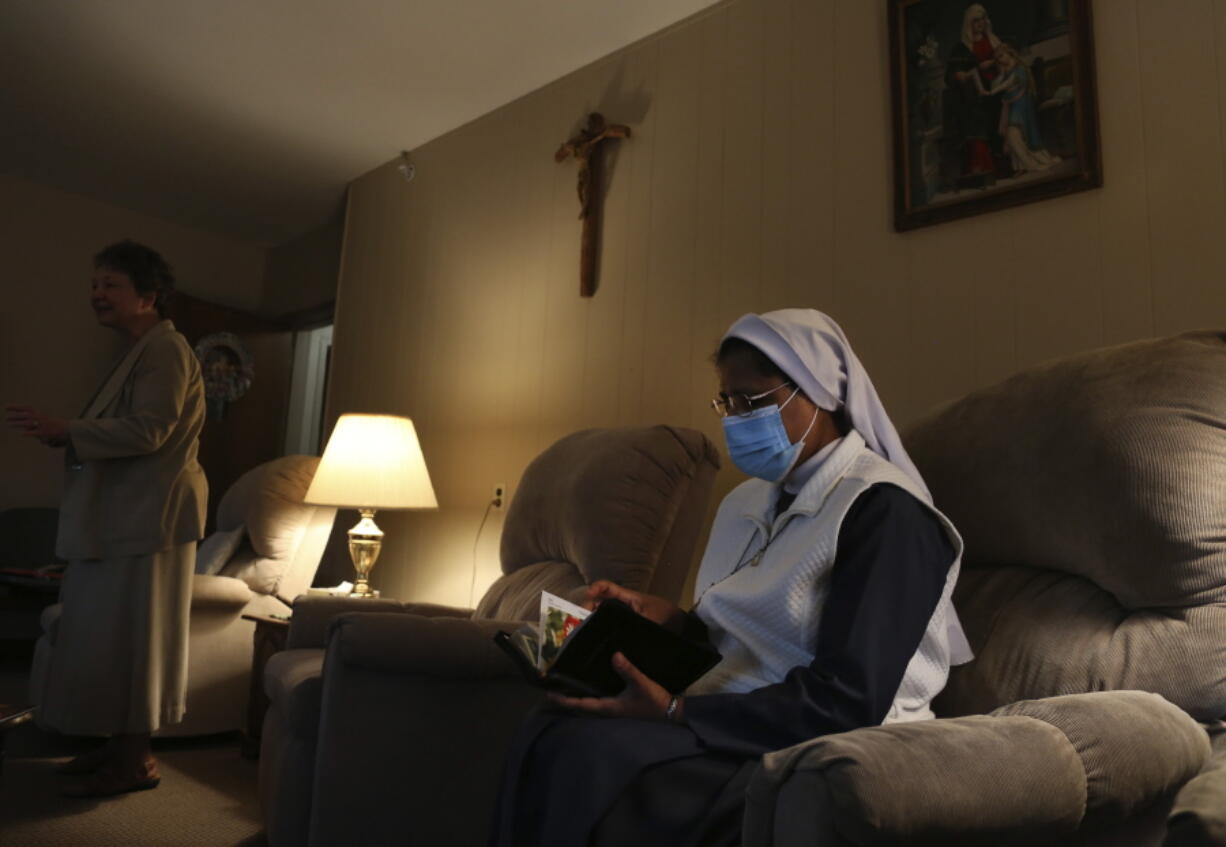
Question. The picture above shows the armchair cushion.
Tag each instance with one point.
(268, 500)
(216, 550)
(259, 572)
(1107, 570)
(1024, 775)
(613, 503)
(517, 596)
(1040, 632)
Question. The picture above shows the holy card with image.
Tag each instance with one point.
(559, 618)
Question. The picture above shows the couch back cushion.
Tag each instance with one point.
(618, 504)
(1089, 493)
(268, 500)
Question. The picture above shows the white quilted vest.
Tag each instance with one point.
(763, 617)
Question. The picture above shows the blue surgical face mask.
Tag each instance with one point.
(758, 443)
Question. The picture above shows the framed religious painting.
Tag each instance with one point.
(994, 105)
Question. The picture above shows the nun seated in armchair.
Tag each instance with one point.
(825, 584)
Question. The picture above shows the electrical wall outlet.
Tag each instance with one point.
(500, 497)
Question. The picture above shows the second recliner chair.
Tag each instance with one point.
(398, 735)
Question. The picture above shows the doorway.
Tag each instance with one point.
(308, 389)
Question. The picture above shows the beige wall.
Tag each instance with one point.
(52, 352)
(758, 177)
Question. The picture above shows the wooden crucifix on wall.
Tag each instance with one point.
(586, 148)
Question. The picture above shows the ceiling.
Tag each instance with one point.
(249, 117)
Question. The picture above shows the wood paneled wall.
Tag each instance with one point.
(758, 177)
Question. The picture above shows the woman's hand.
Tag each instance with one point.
(642, 698)
(649, 606)
(29, 422)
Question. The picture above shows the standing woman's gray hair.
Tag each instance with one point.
(149, 272)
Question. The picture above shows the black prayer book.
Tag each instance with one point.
(584, 664)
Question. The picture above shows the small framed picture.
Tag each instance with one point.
(994, 105)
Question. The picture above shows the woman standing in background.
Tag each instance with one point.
(132, 511)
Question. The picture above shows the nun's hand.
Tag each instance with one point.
(642, 698)
(648, 605)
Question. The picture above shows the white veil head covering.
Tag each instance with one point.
(812, 350)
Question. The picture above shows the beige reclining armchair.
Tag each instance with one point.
(1091, 493)
(277, 543)
(398, 735)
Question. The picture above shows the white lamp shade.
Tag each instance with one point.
(373, 462)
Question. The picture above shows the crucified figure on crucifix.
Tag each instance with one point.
(585, 147)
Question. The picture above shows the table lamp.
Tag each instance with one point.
(371, 462)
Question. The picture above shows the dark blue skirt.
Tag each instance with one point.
(575, 781)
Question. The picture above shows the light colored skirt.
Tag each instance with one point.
(120, 658)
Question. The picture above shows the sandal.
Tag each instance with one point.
(107, 782)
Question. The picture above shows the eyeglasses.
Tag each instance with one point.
(741, 405)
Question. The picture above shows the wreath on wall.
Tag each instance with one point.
(227, 369)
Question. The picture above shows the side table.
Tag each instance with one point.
(270, 634)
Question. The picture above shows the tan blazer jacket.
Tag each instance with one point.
(133, 484)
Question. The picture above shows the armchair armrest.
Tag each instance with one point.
(1198, 818)
(1024, 774)
(436, 610)
(444, 702)
(413, 644)
(210, 591)
(312, 615)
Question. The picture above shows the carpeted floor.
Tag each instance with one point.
(207, 795)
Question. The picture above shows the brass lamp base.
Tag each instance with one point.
(365, 543)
